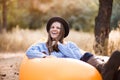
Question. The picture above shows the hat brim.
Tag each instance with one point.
(61, 20)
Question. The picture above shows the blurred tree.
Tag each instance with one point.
(0, 17)
(3, 21)
(102, 27)
(79, 13)
(0, 25)
(18, 13)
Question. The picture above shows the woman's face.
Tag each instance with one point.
(55, 29)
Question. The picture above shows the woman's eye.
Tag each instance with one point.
(52, 27)
(58, 27)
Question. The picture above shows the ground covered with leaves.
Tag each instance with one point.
(9, 66)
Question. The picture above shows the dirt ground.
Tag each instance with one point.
(9, 66)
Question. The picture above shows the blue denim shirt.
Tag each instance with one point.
(69, 50)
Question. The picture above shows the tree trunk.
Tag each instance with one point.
(0, 25)
(102, 27)
(0, 19)
(4, 13)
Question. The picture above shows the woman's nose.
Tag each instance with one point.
(54, 28)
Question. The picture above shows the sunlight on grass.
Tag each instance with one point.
(20, 39)
(114, 40)
(84, 40)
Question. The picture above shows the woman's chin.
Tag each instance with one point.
(54, 38)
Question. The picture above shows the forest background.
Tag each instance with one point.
(22, 23)
(26, 21)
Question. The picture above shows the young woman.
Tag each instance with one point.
(57, 29)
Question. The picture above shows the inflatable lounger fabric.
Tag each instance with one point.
(57, 69)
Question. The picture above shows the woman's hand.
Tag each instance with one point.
(54, 43)
(50, 56)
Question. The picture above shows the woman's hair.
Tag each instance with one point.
(52, 45)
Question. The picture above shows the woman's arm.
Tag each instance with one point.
(36, 51)
(70, 50)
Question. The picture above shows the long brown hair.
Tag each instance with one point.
(54, 46)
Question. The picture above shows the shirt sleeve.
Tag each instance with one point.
(35, 51)
(70, 50)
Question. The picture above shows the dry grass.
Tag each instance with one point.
(84, 40)
(114, 40)
(20, 39)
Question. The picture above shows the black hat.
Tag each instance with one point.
(61, 20)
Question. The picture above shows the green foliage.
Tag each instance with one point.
(35, 21)
(115, 14)
(79, 13)
(16, 15)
